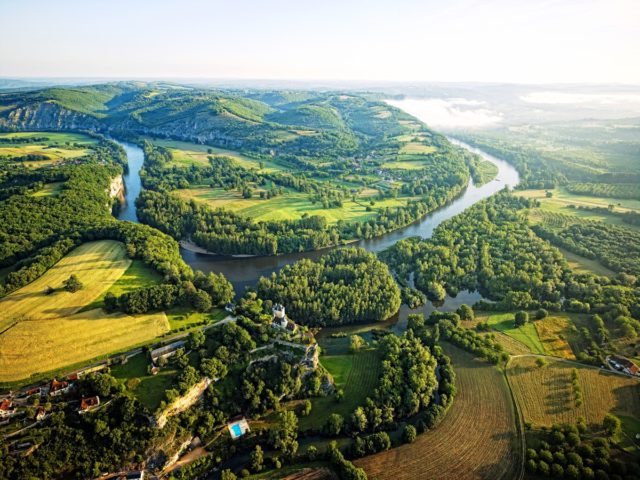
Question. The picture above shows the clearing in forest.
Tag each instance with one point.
(477, 439)
(356, 374)
(545, 395)
(505, 323)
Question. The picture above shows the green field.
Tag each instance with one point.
(151, 389)
(356, 374)
(187, 154)
(49, 190)
(185, 317)
(526, 334)
(58, 146)
(289, 206)
(138, 275)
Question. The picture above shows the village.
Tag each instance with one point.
(26, 408)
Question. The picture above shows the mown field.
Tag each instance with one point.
(44, 345)
(96, 264)
(476, 440)
(289, 206)
(545, 394)
(43, 331)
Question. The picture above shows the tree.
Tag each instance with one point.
(612, 425)
(256, 459)
(284, 436)
(196, 339)
(72, 284)
(465, 312)
(305, 409)
(541, 313)
(521, 318)
(359, 420)
(228, 475)
(357, 343)
(409, 434)
(334, 424)
(540, 362)
(201, 301)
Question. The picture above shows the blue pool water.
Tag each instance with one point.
(237, 431)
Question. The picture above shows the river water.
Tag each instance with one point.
(245, 271)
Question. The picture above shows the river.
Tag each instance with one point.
(245, 271)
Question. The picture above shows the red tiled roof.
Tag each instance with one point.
(89, 402)
(5, 405)
(56, 385)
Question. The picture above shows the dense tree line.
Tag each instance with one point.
(489, 248)
(347, 285)
(616, 247)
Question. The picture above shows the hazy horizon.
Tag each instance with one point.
(407, 41)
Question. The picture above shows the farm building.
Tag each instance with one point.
(238, 428)
(88, 404)
(624, 364)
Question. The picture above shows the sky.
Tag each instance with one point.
(519, 41)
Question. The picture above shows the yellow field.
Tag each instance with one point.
(40, 346)
(545, 395)
(552, 332)
(475, 440)
(96, 264)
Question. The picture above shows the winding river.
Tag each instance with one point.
(245, 271)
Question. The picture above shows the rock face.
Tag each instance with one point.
(116, 189)
(49, 116)
(182, 403)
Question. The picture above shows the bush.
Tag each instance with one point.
(521, 318)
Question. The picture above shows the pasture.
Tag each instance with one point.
(289, 206)
(545, 395)
(477, 439)
(553, 332)
(187, 154)
(151, 389)
(526, 334)
(356, 374)
(57, 146)
(38, 346)
(96, 264)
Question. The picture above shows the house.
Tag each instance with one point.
(238, 428)
(33, 391)
(230, 307)
(41, 413)
(89, 403)
(7, 409)
(625, 365)
(58, 387)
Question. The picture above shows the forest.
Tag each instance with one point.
(346, 285)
